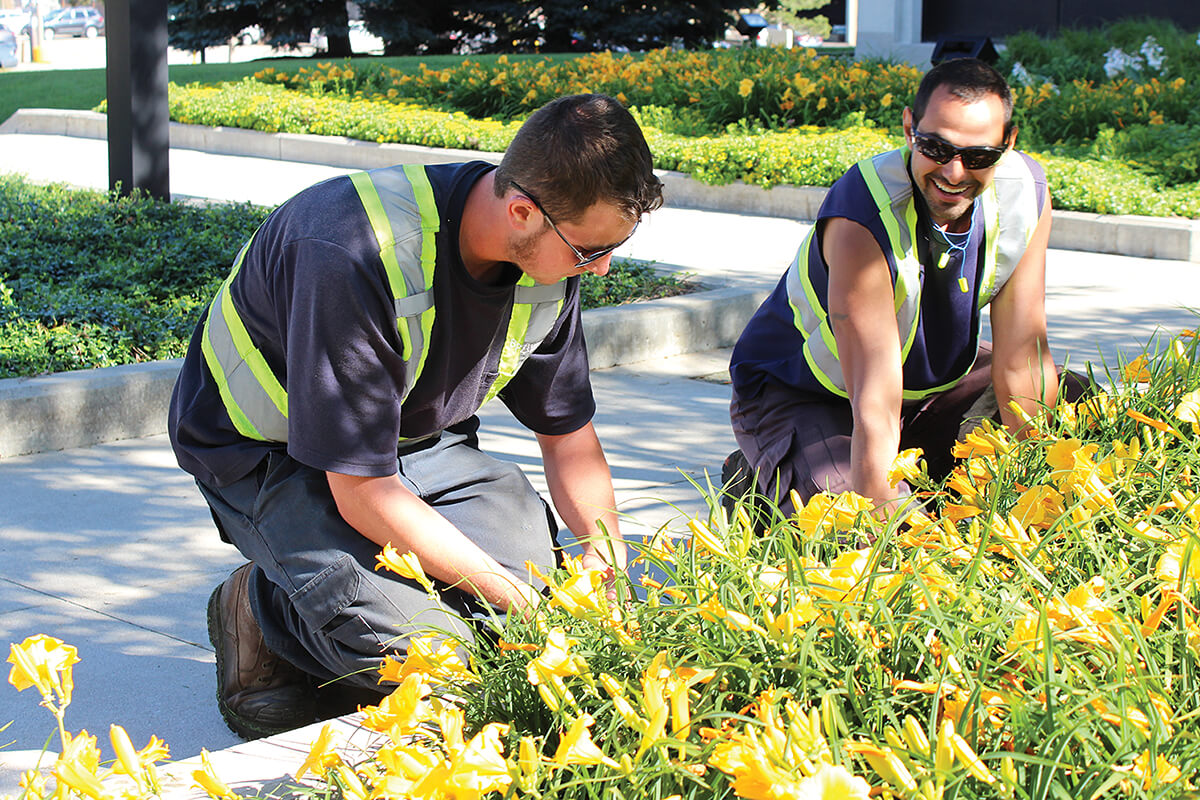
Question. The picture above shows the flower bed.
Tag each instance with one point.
(767, 116)
(1031, 632)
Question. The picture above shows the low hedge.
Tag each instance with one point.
(89, 279)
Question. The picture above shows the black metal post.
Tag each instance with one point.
(138, 117)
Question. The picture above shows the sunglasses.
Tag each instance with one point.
(938, 150)
(582, 259)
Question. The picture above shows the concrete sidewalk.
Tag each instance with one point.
(110, 547)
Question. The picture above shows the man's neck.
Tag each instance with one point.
(481, 242)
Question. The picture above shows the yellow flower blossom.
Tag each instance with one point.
(206, 779)
(577, 747)
(45, 663)
(905, 466)
(435, 657)
(1137, 370)
(556, 662)
(406, 566)
(1188, 409)
(1162, 772)
(1179, 565)
(322, 755)
(745, 87)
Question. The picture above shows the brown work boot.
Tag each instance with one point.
(258, 692)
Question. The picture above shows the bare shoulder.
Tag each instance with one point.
(846, 244)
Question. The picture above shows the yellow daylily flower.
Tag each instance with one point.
(577, 747)
(745, 86)
(43, 662)
(206, 779)
(406, 566)
(479, 767)
(433, 656)
(1188, 409)
(555, 662)
(1171, 568)
(322, 755)
(1137, 371)
(1162, 771)
(402, 711)
(905, 466)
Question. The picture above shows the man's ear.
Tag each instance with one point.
(1012, 138)
(522, 215)
(906, 117)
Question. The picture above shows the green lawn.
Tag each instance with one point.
(85, 88)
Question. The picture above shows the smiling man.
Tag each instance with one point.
(871, 342)
(327, 403)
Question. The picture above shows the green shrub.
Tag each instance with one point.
(92, 280)
(96, 280)
(1079, 54)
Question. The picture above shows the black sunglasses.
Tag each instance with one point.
(582, 259)
(940, 151)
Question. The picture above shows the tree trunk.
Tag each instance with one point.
(339, 45)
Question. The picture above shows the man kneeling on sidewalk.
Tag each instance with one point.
(327, 403)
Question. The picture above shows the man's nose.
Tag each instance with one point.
(600, 266)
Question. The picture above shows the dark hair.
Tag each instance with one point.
(577, 151)
(968, 79)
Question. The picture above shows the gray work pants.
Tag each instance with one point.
(315, 591)
(794, 440)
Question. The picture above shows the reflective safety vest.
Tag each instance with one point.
(1010, 213)
(403, 215)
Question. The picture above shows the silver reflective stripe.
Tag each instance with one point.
(1016, 193)
(255, 414)
(398, 199)
(546, 300)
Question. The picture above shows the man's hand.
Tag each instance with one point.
(385, 511)
(581, 488)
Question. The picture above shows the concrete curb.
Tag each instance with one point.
(86, 407)
(1143, 237)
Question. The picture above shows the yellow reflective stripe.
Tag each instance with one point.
(430, 222)
(240, 421)
(514, 342)
(252, 355)
(991, 244)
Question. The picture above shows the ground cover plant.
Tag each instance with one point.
(92, 280)
(1031, 632)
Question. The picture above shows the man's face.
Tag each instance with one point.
(547, 256)
(950, 188)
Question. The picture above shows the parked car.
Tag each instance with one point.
(13, 20)
(74, 22)
(8, 48)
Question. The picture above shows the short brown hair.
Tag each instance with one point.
(968, 79)
(577, 151)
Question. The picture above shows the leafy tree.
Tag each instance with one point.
(420, 26)
(195, 24)
(797, 15)
(562, 25)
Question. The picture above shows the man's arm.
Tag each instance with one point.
(1022, 368)
(385, 511)
(582, 491)
(863, 317)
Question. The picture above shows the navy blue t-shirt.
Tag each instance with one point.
(314, 296)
